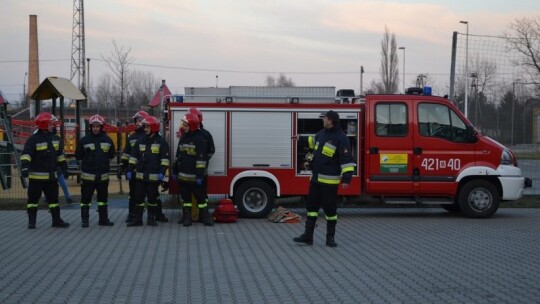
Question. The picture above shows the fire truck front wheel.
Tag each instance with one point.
(479, 199)
(254, 198)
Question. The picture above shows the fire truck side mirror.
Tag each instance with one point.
(471, 135)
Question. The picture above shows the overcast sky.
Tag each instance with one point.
(189, 42)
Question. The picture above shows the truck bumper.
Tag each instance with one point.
(513, 187)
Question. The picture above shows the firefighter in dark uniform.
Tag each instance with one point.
(148, 164)
(189, 170)
(332, 159)
(42, 154)
(131, 140)
(210, 148)
(95, 151)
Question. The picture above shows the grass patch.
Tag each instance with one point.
(527, 155)
(529, 201)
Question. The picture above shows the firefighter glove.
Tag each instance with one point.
(199, 181)
(164, 186)
(120, 172)
(161, 176)
(24, 172)
(129, 175)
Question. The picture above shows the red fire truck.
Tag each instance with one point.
(410, 149)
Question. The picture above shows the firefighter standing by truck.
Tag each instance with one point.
(43, 152)
(189, 170)
(331, 160)
(130, 142)
(210, 148)
(95, 151)
(148, 164)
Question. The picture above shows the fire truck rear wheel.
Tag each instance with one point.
(254, 199)
(479, 199)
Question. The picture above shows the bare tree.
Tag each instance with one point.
(270, 81)
(103, 96)
(142, 88)
(425, 79)
(525, 39)
(119, 62)
(281, 81)
(389, 63)
(485, 73)
(375, 87)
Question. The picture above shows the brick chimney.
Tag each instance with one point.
(33, 60)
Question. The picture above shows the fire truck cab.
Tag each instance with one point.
(409, 149)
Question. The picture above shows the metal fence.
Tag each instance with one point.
(488, 83)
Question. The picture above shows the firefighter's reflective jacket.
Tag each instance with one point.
(149, 158)
(210, 148)
(191, 157)
(95, 152)
(42, 154)
(332, 156)
(130, 143)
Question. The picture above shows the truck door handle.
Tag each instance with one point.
(417, 150)
(373, 150)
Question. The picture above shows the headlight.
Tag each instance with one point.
(507, 158)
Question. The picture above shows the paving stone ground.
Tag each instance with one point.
(384, 255)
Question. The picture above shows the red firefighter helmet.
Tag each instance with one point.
(43, 120)
(152, 122)
(192, 120)
(96, 120)
(196, 112)
(140, 115)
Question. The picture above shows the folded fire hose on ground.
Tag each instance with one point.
(283, 215)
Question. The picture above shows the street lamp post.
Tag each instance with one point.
(361, 80)
(403, 80)
(474, 84)
(512, 118)
(466, 66)
(24, 89)
(88, 83)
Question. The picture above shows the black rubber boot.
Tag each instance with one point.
(85, 215)
(32, 215)
(204, 217)
(160, 217)
(136, 219)
(181, 220)
(56, 219)
(330, 232)
(131, 212)
(186, 217)
(104, 216)
(151, 219)
(307, 236)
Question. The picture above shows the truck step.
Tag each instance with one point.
(425, 200)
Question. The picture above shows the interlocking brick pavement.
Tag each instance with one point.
(385, 255)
